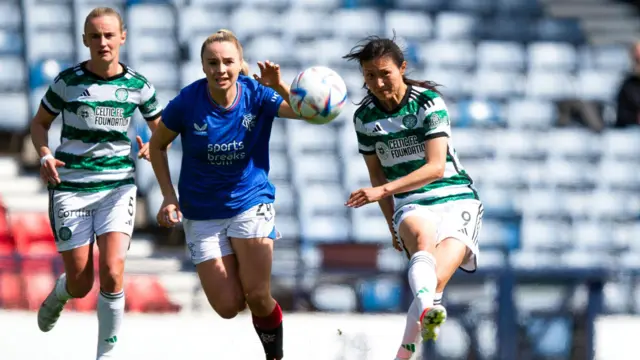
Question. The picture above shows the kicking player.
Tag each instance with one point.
(225, 123)
(91, 176)
(433, 212)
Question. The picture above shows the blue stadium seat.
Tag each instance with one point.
(368, 225)
(10, 16)
(519, 29)
(270, 47)
(45, 17)
(480, 113)
(11, 43)
(424, 5)
(599, 85)
(356, 174)
(543, 235)
(318, 167)
(552, 56)
(499, 235)
(479, 7)
(610, 57)
(496, 84)
(42, 73)
(548, 29)
(249, 21)
(150, 18)
(146, 47)
(457, 54)
(307, 138)
(529, 8)
(329, 297)
(287, 225)
(305, 24)
(285, 202)
(356, 24)
(455, 26)
(501, 55)
(550, 85)
(410, 25)
(58, 45)
(279, 165)
(15, 115)
(530, 113)
(381, 295)
(275, 4)
(455, 82)
(200, 21)
(12, 74)
(621, 144)
(162, 74)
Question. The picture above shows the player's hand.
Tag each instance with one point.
(269, 74)
(169, 214)
(365, 196)
(143, 153)
(49, 172)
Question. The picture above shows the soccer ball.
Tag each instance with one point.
(318, 94)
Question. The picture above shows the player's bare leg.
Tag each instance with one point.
(254, 259)
(75, 282)
(221, 284)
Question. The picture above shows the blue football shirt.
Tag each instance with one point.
(225, 151)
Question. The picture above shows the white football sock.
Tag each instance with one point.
(110, 314)
(61, 289)
(410, 338)
(423, 279)
(437, 299)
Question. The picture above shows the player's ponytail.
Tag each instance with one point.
(374, 47)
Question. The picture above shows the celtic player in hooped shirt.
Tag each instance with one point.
(433, 212)
(92, 193)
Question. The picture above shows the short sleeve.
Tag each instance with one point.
(366, 144)
(270, 101)
(149, 105)
(53, 100)
(173, 114)
(436, 119)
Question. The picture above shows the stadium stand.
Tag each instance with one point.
(552, 195)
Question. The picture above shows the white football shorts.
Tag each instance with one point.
(461, 219)
(209, 239)
(78, 217)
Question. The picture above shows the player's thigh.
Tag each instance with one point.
(71, 217)
(458, 232)
(215, 263)
(416, 227)
(252, 235)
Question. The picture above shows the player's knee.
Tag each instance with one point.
(226, 311)
(258, 298)
(80, 284)
(111, 275)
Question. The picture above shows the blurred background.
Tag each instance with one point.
(544, 97)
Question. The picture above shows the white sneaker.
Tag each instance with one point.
(431, 320)
(50, 310)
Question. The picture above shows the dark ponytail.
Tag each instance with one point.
(374, 47)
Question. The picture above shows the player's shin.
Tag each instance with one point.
(110, 313)
(269, 330)
(410, 338)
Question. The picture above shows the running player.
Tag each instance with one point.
(433, 212)
(91, 177)
(225, 123)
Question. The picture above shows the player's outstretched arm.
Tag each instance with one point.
(270, 76)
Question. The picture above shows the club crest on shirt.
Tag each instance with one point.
(249, 121)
